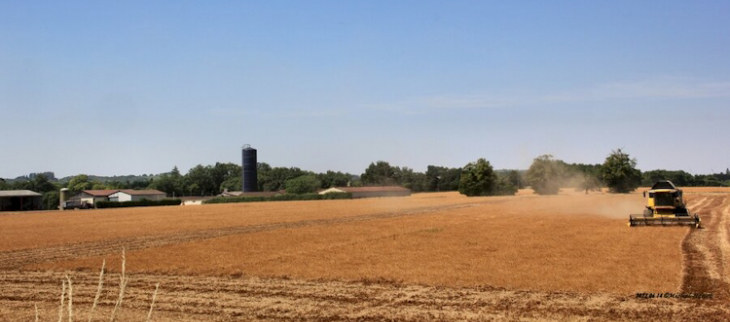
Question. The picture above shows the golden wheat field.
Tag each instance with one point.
(432, 256)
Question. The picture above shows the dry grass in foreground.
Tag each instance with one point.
(66, 308)
(199, 298)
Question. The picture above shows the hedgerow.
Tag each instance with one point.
(138, 203)
(280, 197)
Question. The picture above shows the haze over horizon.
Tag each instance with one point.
(135, 87)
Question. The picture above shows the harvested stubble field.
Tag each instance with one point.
(437, 256)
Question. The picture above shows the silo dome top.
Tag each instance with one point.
(247, 147)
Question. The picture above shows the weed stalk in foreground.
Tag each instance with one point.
(68, 305)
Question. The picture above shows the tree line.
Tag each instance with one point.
(214, 179)
(546, 175)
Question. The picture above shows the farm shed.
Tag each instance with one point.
(20, 200)
(371, 192)
(135, 195)
(91, 196)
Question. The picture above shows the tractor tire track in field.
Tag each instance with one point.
(19, 258)
(192, 298)
(707, 250)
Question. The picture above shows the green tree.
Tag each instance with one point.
(505, 187)
(193, 189)
(79, 183)
(232, 183)
(274, 179)
(434, 175)
(302, 184)
(450, 179)
(479, 179)
(515, 179)
(41, 184)
(225, 172)
(544, 175)
(379, 174)
(51, 200)
(679, 177)
(200, 177)
(171, 183)
(442, 178)
(334, 179)
(619, 172)
(263, 176)
(407, 178)
(99, 186)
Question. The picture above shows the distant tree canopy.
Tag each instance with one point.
(682, 178)
(172, 183)
(514, 178)
(679, 178)
(331, 179)
(619, 172)
(274, 179)
(79, 183)
(381, 173)
(479, 179)
(442, 178)
(40, 183)
(303, 184)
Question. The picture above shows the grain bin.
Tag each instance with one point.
(63, 197)
(250, 181)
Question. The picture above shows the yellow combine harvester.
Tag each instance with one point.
(665, 206)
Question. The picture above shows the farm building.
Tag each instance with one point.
(20, 200)
(136, 195)
(91, 196)
(371, 192)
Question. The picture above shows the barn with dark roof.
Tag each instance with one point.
(20, 200)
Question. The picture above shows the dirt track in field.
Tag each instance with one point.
(18, 258)
(707, 250)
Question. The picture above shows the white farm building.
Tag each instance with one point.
(136, 195)
(91, 197)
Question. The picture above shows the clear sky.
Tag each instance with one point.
(133, 87)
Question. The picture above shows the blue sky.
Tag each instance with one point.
(113, 88)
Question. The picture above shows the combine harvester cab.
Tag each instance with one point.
(665, 206)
